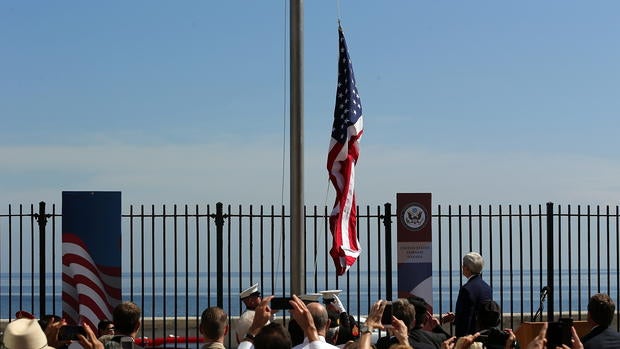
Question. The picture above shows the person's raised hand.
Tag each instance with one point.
(89, 341)
(540, 341)
(431, 322)
(466, 341)
(400, 331)
(262, 315)
(512, 337)
(51, 332)
(449, 343)
(302, 315)
(448, 317)
(576, 341)
(374, 316)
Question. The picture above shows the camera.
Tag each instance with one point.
(69, 333)
(386, 318)
(493, 338)
(559, 332)
(280, 303)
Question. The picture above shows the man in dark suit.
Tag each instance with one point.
(471, 294)
(601, 309)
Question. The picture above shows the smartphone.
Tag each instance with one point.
(386, 318)
(559, 333)
(279, 303)
(69, 333)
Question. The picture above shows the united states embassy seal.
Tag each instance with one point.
(414, 217)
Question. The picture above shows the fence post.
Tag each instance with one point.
(41, 218)
(387, 222)
(550, 247)
(219, 227)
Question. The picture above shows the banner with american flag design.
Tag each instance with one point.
(342, 157)
(91, 255)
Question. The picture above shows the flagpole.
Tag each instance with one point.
(296, 143)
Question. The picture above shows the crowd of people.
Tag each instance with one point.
(408, 324)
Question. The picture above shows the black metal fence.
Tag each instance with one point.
(177, 260)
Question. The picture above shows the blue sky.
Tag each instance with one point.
(187, 102)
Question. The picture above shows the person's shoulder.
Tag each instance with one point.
(611, 333)
(478, 280)
(247, 315)
(437, 335)
(478, 283)
(214, 345)
(112, 345)
(600, 338)
(416, 333)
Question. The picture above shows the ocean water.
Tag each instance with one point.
(516, 291)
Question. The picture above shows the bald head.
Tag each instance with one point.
(319, 317)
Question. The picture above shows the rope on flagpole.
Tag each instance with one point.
(328, 181)
(324, 231)
(284, 107)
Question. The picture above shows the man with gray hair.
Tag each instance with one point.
(472, 293)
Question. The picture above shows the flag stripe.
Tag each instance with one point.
(103, 281)
(85, 285)
(90, 291)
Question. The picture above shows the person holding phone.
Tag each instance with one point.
(89, 340)
(376, 317)
(401, 310)
(426, 328)
(265, 335)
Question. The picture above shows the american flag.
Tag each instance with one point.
(91, 255)
(89, 291)
(342, 157)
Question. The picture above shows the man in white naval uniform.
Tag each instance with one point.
(251, 298)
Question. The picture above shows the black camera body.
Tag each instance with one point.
(386, 317)
(493, 338)
(559, 333)
(281, 303)
(69, 333)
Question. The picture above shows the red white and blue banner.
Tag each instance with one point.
(415, 245)
(91, 255)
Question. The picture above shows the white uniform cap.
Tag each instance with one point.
(250, 291)
(329, 295)
(310, 297)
